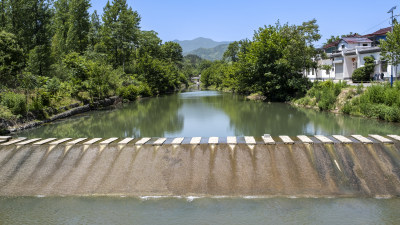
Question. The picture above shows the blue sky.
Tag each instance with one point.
(230, 20)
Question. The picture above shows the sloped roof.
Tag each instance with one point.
(330, 45)
(354, 40)
(382, 31)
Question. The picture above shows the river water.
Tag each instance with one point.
(205, 113)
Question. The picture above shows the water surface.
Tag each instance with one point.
(110, 210)
(205, 114)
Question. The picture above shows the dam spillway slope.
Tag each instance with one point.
(304, 166)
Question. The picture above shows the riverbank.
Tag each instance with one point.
(378, 101)
(10, 126)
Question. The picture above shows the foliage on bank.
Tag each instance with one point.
(376, 101)
(69, 56)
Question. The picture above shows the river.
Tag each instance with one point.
(202, 113)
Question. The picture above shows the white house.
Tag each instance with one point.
(347, 54)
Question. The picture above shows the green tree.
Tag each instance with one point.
(391, 46)
(120, 31)
(172, 51)
(149, 45)
(78, 26)
(11, 60)
(275, 60)
(94, 31)
(232, 52)
(61, 18)
(364, 73)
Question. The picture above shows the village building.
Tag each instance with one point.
(347, 54)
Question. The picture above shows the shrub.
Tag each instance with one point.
(327, 101)
(15, 102)
(5, 113)
(130, 92)
(364, 73)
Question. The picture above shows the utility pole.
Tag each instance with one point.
(392, 66)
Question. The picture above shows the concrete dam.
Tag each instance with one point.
(303, 166)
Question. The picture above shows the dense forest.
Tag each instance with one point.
(55, 53)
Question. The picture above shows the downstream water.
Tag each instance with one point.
(102, 210)
(205, 114)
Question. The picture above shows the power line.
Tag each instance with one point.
(366, 31)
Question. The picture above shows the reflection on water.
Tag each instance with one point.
(207, 113)
(101, 210)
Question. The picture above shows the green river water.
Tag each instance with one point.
(205, 114)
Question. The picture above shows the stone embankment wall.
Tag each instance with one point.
(303, 166)
(74, 109)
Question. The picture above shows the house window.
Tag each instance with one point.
(343, 46)
(365, 44)
(312, 71)
(384, 66)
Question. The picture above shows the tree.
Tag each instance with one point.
(364, 73)
(120, 31)
(232, 52)
(275, 60)
(61, 28)
(94, 31)
(78, 26)
(11, 59)
(172, 51)
(391, 46)
(149, 44)
(3, 15)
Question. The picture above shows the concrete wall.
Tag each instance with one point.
(251, 166)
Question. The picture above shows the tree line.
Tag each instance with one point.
(54, 53)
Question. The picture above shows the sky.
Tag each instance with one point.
(232, 20)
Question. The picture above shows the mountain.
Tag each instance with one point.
(212, 54)
(190, 45)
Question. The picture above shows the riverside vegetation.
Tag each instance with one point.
(376, 101)
(67, 56)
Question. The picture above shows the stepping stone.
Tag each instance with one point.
(380, 138)
(160, 141)
(76, 141)
(396, 137)
(286, 140)
(342, 139)
(28, 141)
(195, 140)
(108, 141)
(92, 141)
(44, 141)
(60, 141)
(362, 139)
(177, 141)
(213, 140)
(323, 139)
(268, 139)
(14, 141)
(125, 141)
(142, 141)
(249, 140)
(305, 139)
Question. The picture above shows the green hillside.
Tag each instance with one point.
(212, 54)
(190, 45)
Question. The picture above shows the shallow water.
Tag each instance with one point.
(112, 210)
(208, 113)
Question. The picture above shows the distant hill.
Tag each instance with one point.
(212, 54)
(190, 45)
